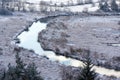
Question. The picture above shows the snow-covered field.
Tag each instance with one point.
(27, 42)
(77, 8)
(57, 1)
(81, 8)
(89, 33)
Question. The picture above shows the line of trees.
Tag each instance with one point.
(8, 6)
(21, 71)
(12, 4)
(84, 1)
(29, 72)
(107, 7)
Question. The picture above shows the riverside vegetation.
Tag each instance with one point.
(21, 71)
(29, 72)
(84, 73)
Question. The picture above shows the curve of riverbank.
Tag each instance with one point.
(34, 30)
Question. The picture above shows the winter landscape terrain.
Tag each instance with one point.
(60, 40)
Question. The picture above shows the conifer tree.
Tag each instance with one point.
(20, 66)
(104, 6)
(87, 73)
(32, 73)
(114, 5)
(11, 73)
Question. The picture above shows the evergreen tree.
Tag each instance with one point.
(11, 73)
(20, 66)
(32, 73)
(114, 5)
(87, 73)
(104, 6)
(2, 76)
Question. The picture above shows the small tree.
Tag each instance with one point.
(104, 6)
(87, 73)
(10, 74)
(79, 2)
(88, 1)
(20, 67)
(32, 73)
(43, 6)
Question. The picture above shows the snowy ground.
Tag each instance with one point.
(77, 8)
(86, 7)
(56, 1)
(10, 26)
(96, 34)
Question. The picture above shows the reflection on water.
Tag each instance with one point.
(29, 41)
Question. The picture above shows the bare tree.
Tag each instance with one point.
(20, 4)
(43, 6)
(3, 4)
(79, 2)
(88, 1)
(71, 2)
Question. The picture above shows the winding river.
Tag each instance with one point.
(28, 40)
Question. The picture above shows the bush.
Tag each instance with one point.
(1, 51)
(5, 12)
(70, 73)
(21, 71)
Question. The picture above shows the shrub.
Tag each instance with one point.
(1, 51)
(70, 73)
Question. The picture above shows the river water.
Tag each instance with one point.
(28, 40)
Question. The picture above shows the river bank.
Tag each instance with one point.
(73, 36)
